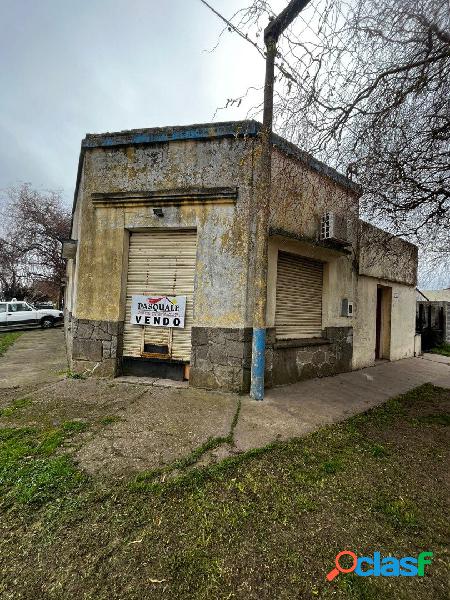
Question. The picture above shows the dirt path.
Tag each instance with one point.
(34, 360)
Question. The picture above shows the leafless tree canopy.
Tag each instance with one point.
(33, 226)
(364, 85)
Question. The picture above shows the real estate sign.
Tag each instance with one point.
(158, 310)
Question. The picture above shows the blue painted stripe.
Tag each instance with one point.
(258, 363)
(208, 131)
(170, 134)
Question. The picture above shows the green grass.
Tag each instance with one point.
(263, 524)
(378, 450)
(358, 588)
(29, 470)
(443, 349)
(70, 427)
(73, 374)
(441, 419)
(7, 340)
(15, 406)
(401, 513)
(110, 420)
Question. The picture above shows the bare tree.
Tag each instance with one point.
(363, 85)
(12, 284)
(30, 243)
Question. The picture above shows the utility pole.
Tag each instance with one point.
(262, 204)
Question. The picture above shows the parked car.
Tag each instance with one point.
(39, 305)
(18, 313)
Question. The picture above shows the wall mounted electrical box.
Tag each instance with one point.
(347, 308)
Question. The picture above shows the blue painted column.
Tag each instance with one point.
(261, 213)
(258, 363)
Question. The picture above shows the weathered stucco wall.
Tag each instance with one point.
(385, 256)
(223, 238)
(391, 262)
(71, 290)
(301, 195)
(221, 286)
(402, 321)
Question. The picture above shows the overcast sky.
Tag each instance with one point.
(69, 67)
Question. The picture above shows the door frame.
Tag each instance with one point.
(157, 357)
(383, 316)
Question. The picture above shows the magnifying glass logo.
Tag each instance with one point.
(339, 569)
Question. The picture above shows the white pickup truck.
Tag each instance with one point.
(17, 313)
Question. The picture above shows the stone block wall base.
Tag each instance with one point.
(221, 358)
(105, 368)
(94, 346)
(293, 363)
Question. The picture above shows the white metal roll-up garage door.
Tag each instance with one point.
(160, 263)
(298, 310)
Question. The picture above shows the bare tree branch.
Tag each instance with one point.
(31, 264)
(365, 89)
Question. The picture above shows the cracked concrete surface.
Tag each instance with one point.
(157, 427)
(136, 425)
(37, 357)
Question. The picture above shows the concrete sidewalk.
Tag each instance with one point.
(437, 358)
(294, 410)
(36, 358)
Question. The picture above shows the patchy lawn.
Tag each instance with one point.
(266, 524)
(7, 340)
(443, 349)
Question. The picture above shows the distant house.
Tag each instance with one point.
(171, 211)
(433, 317)
(434, 295)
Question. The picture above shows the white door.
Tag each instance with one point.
(160, 263)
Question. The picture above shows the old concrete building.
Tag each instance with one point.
(170, 212)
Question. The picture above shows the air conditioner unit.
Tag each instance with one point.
(333, 227)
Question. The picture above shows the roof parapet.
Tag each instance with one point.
(207, 131)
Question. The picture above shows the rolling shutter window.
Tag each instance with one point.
(161, 263)
(298, 312)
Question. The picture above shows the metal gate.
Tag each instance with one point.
(160, 263)
(431, 323)
(298, 311)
